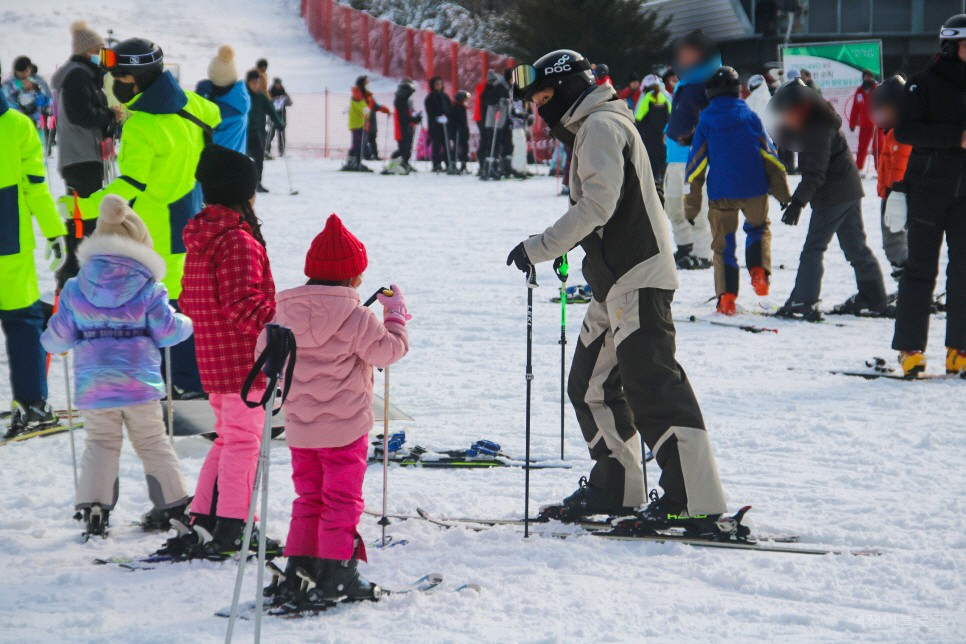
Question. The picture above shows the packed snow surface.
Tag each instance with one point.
(841, 462)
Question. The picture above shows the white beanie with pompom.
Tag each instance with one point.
(221, 70)
(83, 38)
(117, 218)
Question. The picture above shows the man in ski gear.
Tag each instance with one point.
(933, 124)
(695, 59)
(807, 124)
(115, 315)
(229, 294)
(223, 88)
(460, 128)
(161, 144)
(370, 150)
(885, 109)
(84, 121)
(652, 112)
(730, 148)
(339, 342)
(438, 107)
(625, 383)
(495, 101)
(405, 121)
(758, 95)
(359, 111)
(859, 118)
(26, 92)
(282, 101)
(261, 110)
(24, 195)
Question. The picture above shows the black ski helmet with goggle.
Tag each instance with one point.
(953, 31)
(136, 56)
(566, 71)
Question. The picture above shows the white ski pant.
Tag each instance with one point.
(698, 235)
(519, 160)
(625, 385)
(100, 463)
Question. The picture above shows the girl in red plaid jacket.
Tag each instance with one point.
(228, 291)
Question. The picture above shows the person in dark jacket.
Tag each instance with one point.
(494, 103)
(262, 108)
(830, 182)
(651, 113)
(406, 121)
(84, 121)
(282, 101)
(934, 125)
(625, 382)
(438, 108)
(460, 129)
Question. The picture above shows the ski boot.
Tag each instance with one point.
(286, 584)
(339, 580)
(18, 421)
(693, 263)
(956, 361)
(96, 522)
(800, 311)
(684, 250)
(177, 393)
(662, 515)
(565, 191)
(759, 280)
(912, 363)
(727, 304)
(159, 519)
(586, 501)
(860, 306)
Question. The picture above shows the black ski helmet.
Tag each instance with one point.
(462, 95)
(601, 70)
(953, 31)
(362, 81)
(725, 82)
(139, 57)
(566, 71)
(889, 93)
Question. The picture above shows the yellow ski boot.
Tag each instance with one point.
(955, 361)
(913, 363)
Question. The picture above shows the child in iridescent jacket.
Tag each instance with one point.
(115, 315)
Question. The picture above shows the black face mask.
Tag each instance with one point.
(123, 92)
(563, 135)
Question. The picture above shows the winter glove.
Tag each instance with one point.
(394, 306)
(793, 211)
(896, 209)
(56, 253)
(442, 120)
(518, 257)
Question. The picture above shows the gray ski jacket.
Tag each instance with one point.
(615, 215)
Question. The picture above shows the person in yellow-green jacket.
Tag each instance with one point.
(161, 143)
(24, 194)
(651, 115)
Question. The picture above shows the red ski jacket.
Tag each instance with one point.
(859, 114)
(228, 292)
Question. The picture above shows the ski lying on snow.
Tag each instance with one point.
(750, 328)
(450, 462)
(37, 433)
(480, 525)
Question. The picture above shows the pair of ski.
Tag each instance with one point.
(48, 430)
(611, 529)
(457, 459)
(426, 584)
(878, 368)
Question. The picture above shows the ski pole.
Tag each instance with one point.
(385, 136)
(70, 419)
(277, 358)
(170, 392)
(449, 154)
(562, 272)
(531, 284)
(291, 191)
(384, 520)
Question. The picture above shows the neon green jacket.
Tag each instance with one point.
(157, 161)
(646, 100)
(23, 193)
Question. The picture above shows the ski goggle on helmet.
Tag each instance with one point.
(119, 63)
(529, 79)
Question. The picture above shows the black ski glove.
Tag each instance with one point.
(792, 213)
(518, 257)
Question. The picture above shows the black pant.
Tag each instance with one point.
(461, 144)
(438, 145)
(405, 145)
(274, 131)
(932, 214)
(256, 150)
(481, 150)
(184, 363)
(85, 178)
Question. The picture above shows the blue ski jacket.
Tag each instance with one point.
(234, 105)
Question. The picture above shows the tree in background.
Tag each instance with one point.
(621, 33)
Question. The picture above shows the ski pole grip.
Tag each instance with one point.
(532, 277)
(372, 298)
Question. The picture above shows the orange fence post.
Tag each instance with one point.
(347, 35)
(428, 39)
(410, 46)
(325, 118)
(366, 57)
(454, 61)
(386, 52)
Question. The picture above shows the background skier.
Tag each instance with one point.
(438, 107)
(223, 88)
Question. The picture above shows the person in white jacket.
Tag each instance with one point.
(759, 95)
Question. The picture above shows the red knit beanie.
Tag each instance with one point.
(335, 254)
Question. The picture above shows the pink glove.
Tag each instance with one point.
(394, 306)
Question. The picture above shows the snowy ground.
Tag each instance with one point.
(842, 462)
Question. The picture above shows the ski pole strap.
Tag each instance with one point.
(277, 356)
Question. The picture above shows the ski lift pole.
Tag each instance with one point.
(563, 270)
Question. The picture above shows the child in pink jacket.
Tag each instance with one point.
(328, 414)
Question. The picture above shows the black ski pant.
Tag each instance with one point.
(627, 386)
(404, 149)
(437, 145)
(85, 179)
(256, 150)
(25, 355)
(481, 147)
(932, 214)
(845, 222)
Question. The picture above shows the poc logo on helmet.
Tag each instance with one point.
(562, 65)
